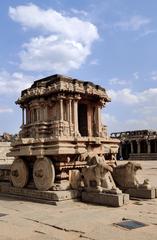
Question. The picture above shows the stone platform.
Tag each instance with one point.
(142, 193)
(56, 197)
(107, 199)
(50, 197)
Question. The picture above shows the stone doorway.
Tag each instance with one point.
(82, 119)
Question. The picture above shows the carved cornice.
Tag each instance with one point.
(58, 84)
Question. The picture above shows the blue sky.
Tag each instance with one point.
(110, 42)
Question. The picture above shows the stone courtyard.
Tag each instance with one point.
(77, 220)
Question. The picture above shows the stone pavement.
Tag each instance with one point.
(76, 220)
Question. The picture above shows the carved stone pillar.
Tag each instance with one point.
(98, 123)
(75, 110)
(27, 115)
(120, 149)
(138, 147)
(45, 112)
(75, 117)
(148, 147)
(132, 149)
(23, 116)
(69, 114)
(89, 120)
(38, 114)
(61, 109)
(41, 113)
(61, 116)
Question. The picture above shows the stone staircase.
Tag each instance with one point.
(143, 157)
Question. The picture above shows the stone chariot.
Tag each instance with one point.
(61, 123)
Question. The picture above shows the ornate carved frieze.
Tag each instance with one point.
(57, 83)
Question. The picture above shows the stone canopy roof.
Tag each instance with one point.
(57, 84)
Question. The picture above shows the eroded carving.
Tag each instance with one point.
(97, 176)
(125, 176)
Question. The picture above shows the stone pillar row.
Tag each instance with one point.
(71, 109)
(139, 147)
(71, 112)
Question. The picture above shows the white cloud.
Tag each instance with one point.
(53, 53)
(133, 24)
(124, 96)
(149, 96)
(66, 46)
(127, 97)
(142, 110)
(6, 110)
(31, 16)
(117, 81)
(14, 83)
(115, 124)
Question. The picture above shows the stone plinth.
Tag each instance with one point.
(142, 193)
(106, 199)
(51, 197)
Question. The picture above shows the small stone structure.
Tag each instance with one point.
(4, 149)
(5, 161)
(137, 145)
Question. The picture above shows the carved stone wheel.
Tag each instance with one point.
(19, 173)
(43, 174)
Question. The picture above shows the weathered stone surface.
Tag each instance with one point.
(106, 199)
(127, 180)
(142, 193)
(19, 173)
(99, 186)
(125, 174)
(97, 176)
(43, 174)
(4, 150)
(74, 179)
(31, 194)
